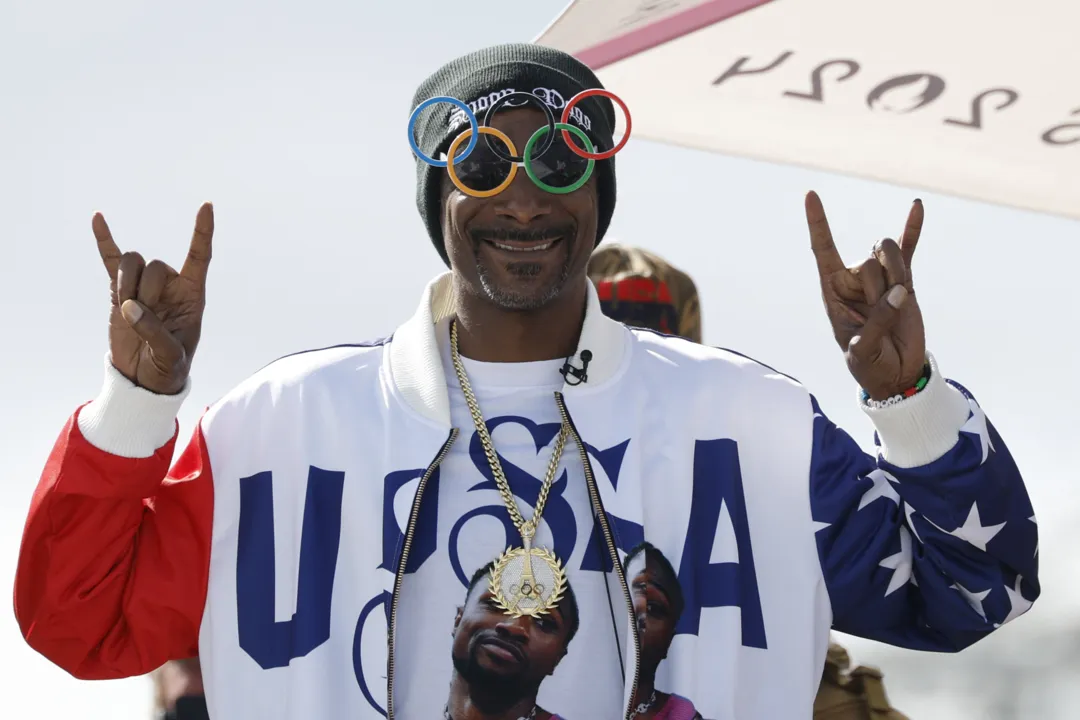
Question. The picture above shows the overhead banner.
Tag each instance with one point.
(974, 99)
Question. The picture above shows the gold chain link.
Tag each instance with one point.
(527, 528)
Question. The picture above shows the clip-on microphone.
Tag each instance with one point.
(579, 375)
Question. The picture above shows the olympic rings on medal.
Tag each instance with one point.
(534, 148)
(566, 128)
(484, 129)
(566, 118)
(474, 126)
(528, 97)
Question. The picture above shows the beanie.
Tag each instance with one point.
(481, 78)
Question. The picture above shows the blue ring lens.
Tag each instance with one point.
(457, 103)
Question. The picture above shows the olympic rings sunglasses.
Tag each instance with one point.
(558, 168)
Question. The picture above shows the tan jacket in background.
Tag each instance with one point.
(845, 693)
(849, 693)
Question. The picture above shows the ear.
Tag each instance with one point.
(457, 617)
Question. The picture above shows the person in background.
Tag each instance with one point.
(178, 691)
(643, 290)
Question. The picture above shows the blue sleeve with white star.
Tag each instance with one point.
(928, 558)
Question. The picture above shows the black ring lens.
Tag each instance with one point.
(545, 144)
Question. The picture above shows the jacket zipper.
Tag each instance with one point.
(399, 576)
(598, 509)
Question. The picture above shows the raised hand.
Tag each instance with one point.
(156, 315)
(875, 316)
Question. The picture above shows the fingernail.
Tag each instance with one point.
(918, 201)
(896, 296)
(132, 311)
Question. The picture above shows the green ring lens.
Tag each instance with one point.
(527, 159)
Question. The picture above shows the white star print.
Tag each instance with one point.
(976, 425)
(819, 526)
(900, 564)
(1017, 604)
(974, 531)
(908, 512)
(975, 600)
(882, 488)
(1032, 519)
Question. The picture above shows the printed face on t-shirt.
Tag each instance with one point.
(654, 591)
(492, 647)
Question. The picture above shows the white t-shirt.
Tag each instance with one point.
(518, 403)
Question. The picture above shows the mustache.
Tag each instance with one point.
(531, 235)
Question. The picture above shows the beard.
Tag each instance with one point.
(491, 692)
(510, 298)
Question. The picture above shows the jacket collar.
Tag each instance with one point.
(416, 367)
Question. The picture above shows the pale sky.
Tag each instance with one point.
(291, 118)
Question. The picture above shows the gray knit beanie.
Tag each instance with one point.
(478, 80)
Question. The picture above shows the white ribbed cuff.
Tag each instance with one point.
(918, 430)
(127, 420)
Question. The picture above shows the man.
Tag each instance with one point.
(658, 606)
(639, 288)
(323, 510)
(500, 661)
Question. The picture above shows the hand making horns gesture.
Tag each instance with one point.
(156, 315)
(872, 306)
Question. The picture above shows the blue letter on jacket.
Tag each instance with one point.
(269, 643)
(718, 481)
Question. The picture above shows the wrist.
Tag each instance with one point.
(908, 389)
(127, 420)
(923, 427)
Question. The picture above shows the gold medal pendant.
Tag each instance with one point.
(527, 581)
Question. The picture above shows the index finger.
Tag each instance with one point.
(107, 249)
(197, 262)
(912, 231)
(821, 239)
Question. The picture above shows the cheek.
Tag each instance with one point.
(467, 628)
(451, 213)
(456, 212)
(549, 647)
(583, 204)
(583, 207)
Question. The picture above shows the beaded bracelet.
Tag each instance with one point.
(919, 386)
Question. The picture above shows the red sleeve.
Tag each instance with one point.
(112, 572)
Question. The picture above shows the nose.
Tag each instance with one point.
(514, 629)
(523, 202)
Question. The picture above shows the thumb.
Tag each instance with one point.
(165, 348)
(866, 344)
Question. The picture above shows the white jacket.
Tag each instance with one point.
(276, 547)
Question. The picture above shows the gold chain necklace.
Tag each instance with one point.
(526, 580)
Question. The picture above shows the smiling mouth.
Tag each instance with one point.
(517, 246)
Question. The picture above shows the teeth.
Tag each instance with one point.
(534, 248)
